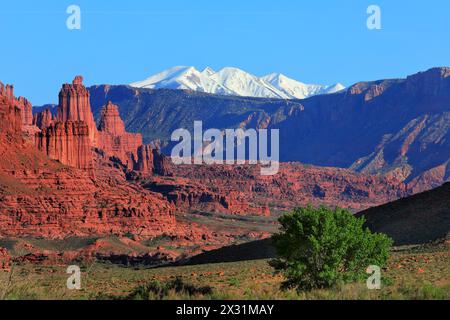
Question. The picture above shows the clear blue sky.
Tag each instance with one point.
(320, 41)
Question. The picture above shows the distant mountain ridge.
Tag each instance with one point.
(234, 82)
(399, 127)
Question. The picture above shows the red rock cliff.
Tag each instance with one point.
(67, 142)
(27, 111)
(10, 114)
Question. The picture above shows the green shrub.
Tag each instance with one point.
(318, 248)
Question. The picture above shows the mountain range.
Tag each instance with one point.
(234, 82)
(398, 127)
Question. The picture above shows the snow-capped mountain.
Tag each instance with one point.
(297, 89)
(233, 81)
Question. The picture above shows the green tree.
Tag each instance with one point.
(318, 248)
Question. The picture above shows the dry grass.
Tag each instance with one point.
(422, 274)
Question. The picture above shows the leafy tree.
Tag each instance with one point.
(318, 248)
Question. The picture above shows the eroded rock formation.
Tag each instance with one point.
(27, 111)
(23, 106)
(40, 197)
(74, 105)
(194, 195)
(127, 147)
(64, 202)
(242, 190)
(72, 136)
(114, 140)
(10, 114)
(150, 160)
(43, 119)
(67, 142)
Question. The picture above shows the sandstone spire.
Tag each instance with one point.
(113, 139)
(74, 105)
(110, 121)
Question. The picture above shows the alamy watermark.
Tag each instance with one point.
(374, 281)
(73, 22)
(74, 280)
(230, 146)
(374, 19)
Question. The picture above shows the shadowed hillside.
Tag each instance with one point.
(254, 250)
(418, 219)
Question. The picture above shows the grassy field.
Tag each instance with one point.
(411, 274)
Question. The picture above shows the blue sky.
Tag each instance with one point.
(321, 41)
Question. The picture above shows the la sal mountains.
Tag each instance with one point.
(396, 127)
(234, 82)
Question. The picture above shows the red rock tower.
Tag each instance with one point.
(112, 137)
(110, 121)
(74, 105)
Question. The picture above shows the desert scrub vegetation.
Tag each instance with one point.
(173, 289)
(407, 275)
(320, 248)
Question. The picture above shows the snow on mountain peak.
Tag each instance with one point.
(208, 71)
(234, 81)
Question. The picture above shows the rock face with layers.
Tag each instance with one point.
(67, 142)
(10, 114)
(27, 111)
(23, 105)
(191, 195)
(242, 190)
(110, 121)
(64, 202)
